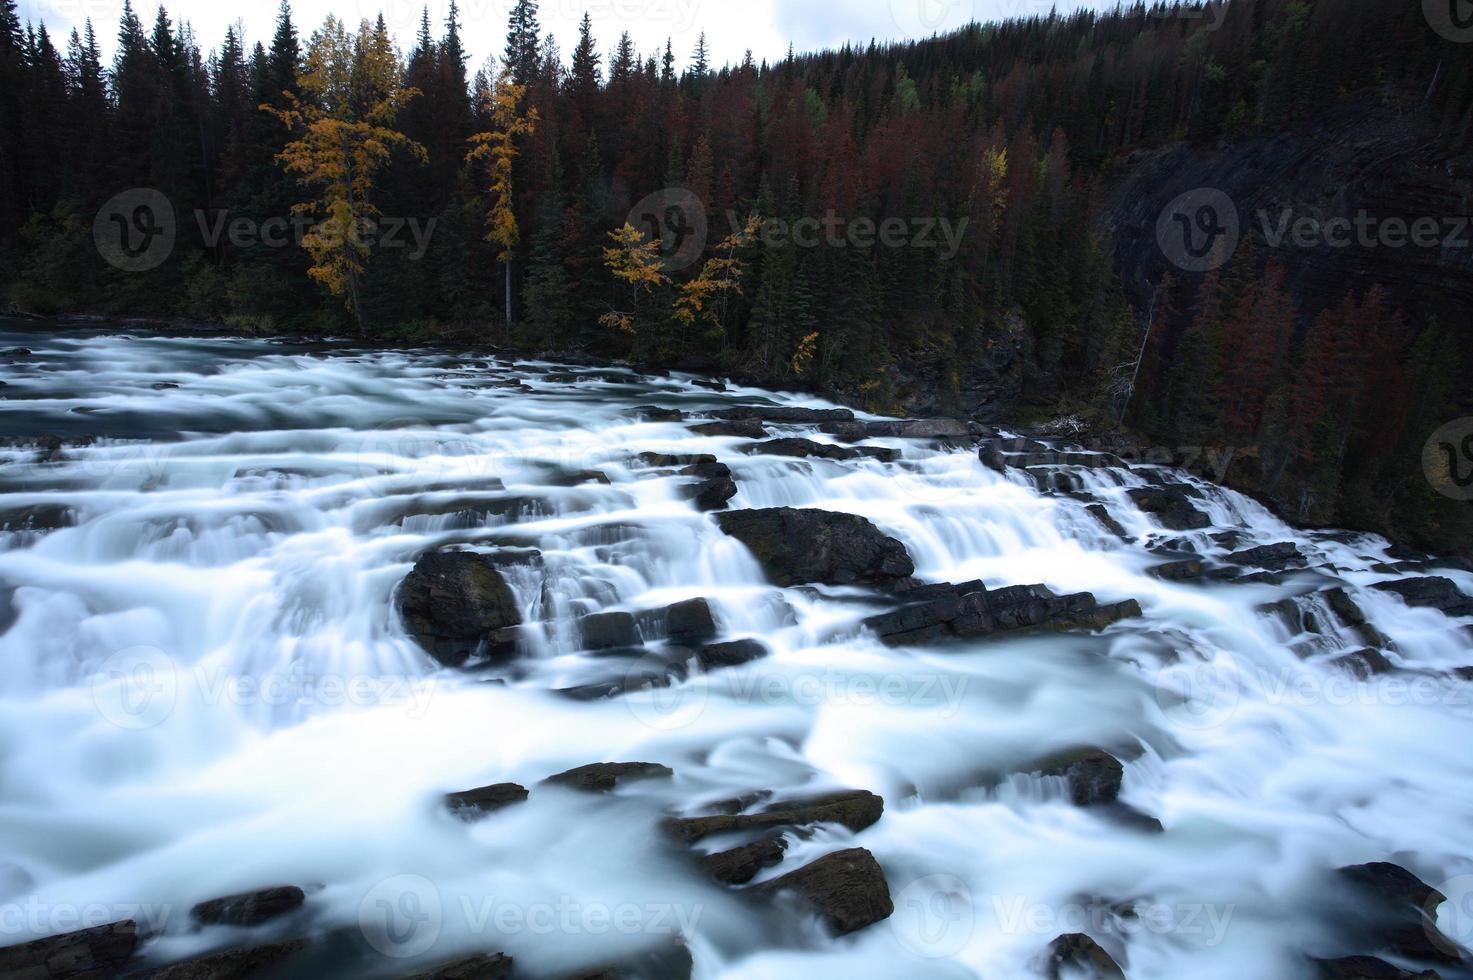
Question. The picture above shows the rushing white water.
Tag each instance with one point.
(204, 688)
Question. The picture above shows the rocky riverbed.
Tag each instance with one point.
(327, 661)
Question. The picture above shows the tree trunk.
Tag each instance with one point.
(508, 296)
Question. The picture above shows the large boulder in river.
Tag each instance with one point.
(1398, 913)
(846, 888)
(251, 908)
(452, 601)
(1171, 505)
(1094, 777)
(801, 546)
(1430, 592)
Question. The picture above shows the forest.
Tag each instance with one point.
(331, 181)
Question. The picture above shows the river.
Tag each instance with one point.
(206, 687)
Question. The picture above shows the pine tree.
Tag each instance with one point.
(523, 43)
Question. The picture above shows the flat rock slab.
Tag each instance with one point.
(971, 610)
(847, 888)
(232, 964)
(601, 777)
(88, 953)
(855, 809)
(785, 415)
(250, 908)
(796, 547)
(473, 803)
(1366, 968)
(1430, 592)
(497, 966)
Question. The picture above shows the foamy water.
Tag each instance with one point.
(205, 687)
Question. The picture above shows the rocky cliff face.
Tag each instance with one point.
(1368, 195)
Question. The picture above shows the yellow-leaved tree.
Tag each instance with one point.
(352, 92)
(498, 150)
(637, 262)
(704, 298)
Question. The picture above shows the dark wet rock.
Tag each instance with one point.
(16, 352)
(1094, 776)
(784, 415)
(710, 495)
(808, 449)
(1171, 505)
(1101, 514)
(801, 546)
(1363, 664)
(601, 777)
(1403, 920)
(919, 429)
(669, 961)
(474, 803)
(1393, 884)
(1077, 955)
(733, 653)
(1464, 673)
(496, 966)
(89, 953)
(668, 460)
(970, 610)
(735, 428)
(608, 631)
(232, 964)
(855, 809)
(251, 908)
(687, 622)
(741, 864)
(1180, 571)
(1346, 608)
(709, 384)
(1430, 592)
(1277, 557)
(452, 600)
(1366, 968)
(645, 670)
(653, 413)
(847, 889)
(38, 517)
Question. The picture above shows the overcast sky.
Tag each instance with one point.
(731, 26)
